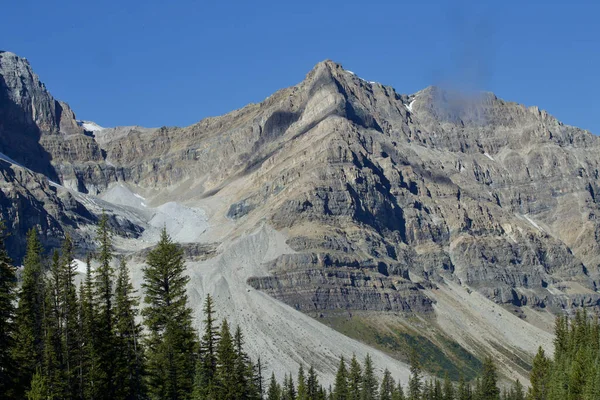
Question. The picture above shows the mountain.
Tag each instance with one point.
(336, 216)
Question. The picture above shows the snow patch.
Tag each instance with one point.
(350, 72)
(409, 107)
(90, 126)
(488, 156)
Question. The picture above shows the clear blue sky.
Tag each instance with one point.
(154, 63)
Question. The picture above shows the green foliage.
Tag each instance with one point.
(355, 379)
(369, 382)
(414, 383)
(28, 350)
(171, 344)
(130, 358)
(388, 386)
(8, 297)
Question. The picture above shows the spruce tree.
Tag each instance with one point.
(369, 382)
(312, 383)
(274, 391)
(464, 390)
(37, 387)
(448, 389)
(539, 376)
(388, 386)
(206, 367)
(89, 357)
(130, 357)
(302, 386)
(489, 387)
(399, 392)
(54, 371)
(70, 319)
(171, 344)
(8, 297)
(28, 350)
(355, 379)
(105, 349)
(226, 359)
(340, 389)
(414, 382)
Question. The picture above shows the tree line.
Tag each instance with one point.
(95, 341)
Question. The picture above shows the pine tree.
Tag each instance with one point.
(539, 376)
(90, 374)
(399, 392)
(489, 387)
(226, 359)
(517, 392)
(302, 386)
(340, 389)
(289, 391)
(69, 309)
(414, 382)
(130, 357)
(448, 389)
(244, 370)
(369, 383)
(274, 391)
(37, 388)
(206, 369)
(103, 299)
(8, 297)
(54, 372)
(171, 344)
(355, 379)
(387, 386)
(258, 379)
(28, 350)
(464, 390)
(312, 383)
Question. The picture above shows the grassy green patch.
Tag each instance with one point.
(438, 354)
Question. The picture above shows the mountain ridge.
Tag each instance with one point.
(400, 206)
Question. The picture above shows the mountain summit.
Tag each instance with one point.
(459, 221)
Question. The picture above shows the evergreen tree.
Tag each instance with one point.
(448, 389)
(517, 392)
(90, 373)
(171, 342)
(399, 392)
(414, 382)
(226, 360)
(539, 376)
(289, 391)
(340, 389)
(274, 391)
(28, 351)
(244, 370)
(206, 369)
(464, 390)
(54, 373)
(387, 386)
(130, 358)
(355, 379)
(8, 297)
(69, 310)
(37, 388)
(302, 386)
(369, 382)
(489, 388)
(312, 383)
(105, 346)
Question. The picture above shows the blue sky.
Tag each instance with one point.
(153, 63)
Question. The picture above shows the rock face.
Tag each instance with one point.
(382, 196)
